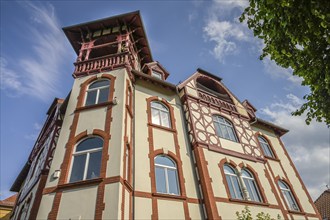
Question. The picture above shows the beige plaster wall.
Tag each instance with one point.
(170, 209)
(45, 206)
(78, 203)
(143, 208)
(112, 201)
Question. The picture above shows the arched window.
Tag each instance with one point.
(224, 128)
(87, 159)
(233, 182)
(251, 185)
(98, 92)
(289, 198)
(166, 175)
(265, 147)
(160, 114)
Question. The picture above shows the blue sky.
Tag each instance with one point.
(37, 63)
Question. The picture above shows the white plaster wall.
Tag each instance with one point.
(170, 209)
(143, 208)
(78, 203)
(91, 119)
(163, 139)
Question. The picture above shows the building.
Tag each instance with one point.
(323, 204)
(6, 206)
(127, 144)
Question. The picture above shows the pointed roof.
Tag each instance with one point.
(9, 202)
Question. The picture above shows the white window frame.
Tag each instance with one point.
(231, 176)
(266, 146)
(88, 152)
(166, 168)
(252, 183)
(228, 125)
(294, 206)
(97, 91)
(156, 74)
(159, 110)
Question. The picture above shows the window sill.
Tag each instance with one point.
(169, 196)
(78, 184)
(296, 212)
(162, 127)
(249, 202)
(272, 158)
(103, 104)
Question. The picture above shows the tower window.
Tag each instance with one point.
(160, 114)
(87, 159)
(156, 74)
(251, 185)
(288, 196)
(233, 182)
(98, 92)
(224, 128)
(265, 147)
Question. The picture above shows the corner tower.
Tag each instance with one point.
(90, 176)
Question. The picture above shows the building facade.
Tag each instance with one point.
(127, 144)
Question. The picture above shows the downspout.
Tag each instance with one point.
(133, 159)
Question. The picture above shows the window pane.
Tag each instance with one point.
(231, 134)
(159, 106)
(230, 186)
(224, 131)
(78, 167)
(103, 95)
(165, 119)
(91, 97)
(172, 182)
(157, 75)
(217, 129)
(99, 84)
(160, 180)
(237, 188)
(162, 160)
(90, 143)
(94, 165)
(155, 117)
(228, 169)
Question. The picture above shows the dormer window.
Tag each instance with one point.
(156, 74)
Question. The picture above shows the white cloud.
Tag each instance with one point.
(308, 145)
(224, 29)
(276, 71)
(40, 70)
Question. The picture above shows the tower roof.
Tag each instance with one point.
(132, 20)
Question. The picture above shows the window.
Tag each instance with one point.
(251, 185)
(98, 92)
(160, 114)
(224, 128)
(87, 159)
(265, 147)
(289, 198)
(233, 182)
(156, 74)
(166, 175)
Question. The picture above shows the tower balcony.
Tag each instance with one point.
(104, 63)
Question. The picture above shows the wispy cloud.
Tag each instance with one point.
(36, 130)
(224, 29)
(306, 144)
(276, 71)
(40, 70)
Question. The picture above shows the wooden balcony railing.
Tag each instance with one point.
(103, 63)
(216, 101)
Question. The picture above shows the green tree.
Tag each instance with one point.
(296, 34)
(245, 214)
